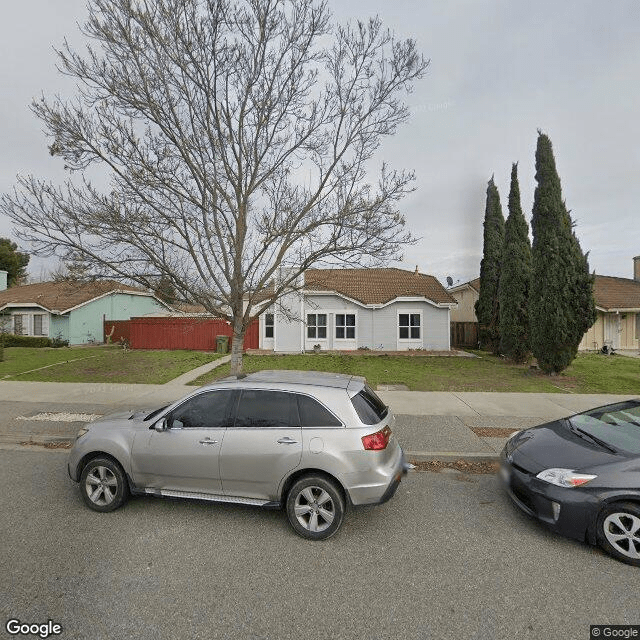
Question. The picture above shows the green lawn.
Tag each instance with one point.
(99, 364)
(590, 373)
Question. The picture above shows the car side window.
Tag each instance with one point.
(262, 409)
(313, 414)
(208, 410)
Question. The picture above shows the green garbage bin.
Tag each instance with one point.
(222, 344)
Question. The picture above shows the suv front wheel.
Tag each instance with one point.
(315, 507)
(103, 484)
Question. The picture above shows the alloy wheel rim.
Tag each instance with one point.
(101, 486)
(314, 509)
(622, 530)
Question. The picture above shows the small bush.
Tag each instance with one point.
(59, 341)
(11, 340)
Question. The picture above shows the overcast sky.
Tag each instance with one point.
(499, 71)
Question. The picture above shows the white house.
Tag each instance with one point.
(346, 309)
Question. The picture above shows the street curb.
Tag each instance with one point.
(39, 441)
(31, 446)
(450, 456)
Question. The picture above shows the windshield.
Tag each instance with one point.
(617, 425)
(153, 414)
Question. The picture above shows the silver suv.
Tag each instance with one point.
(306, 441)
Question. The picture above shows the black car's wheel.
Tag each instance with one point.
(103, 484)
(618, 531)
(315, 507)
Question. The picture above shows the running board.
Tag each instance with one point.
(256, 502)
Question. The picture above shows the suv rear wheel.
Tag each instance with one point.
(315, 507)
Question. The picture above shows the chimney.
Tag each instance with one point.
(636, 268)
(3, 279)
(416, 271)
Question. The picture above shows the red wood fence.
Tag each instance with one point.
(196, 334)
(117, 330)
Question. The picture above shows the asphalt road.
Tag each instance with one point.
(448, 557)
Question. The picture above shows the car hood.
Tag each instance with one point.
(123, 418)
(553, 445)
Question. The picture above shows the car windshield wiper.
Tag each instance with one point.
(589, 436)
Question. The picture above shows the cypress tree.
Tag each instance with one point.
(583, 301)
(561, 300)
(487, 305)
(515, 277)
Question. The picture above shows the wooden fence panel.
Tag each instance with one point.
(196, 334)
(464, 334)
(117, 330)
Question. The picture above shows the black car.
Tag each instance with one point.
(581, 476)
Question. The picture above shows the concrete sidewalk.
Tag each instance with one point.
(429, 425)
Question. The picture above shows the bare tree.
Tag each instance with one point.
(235, 136)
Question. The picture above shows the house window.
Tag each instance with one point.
(345, 326)
(38, 325)
(409, 326)
(18, 324)
(317, 325)
(268, 325)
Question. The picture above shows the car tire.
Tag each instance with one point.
(618, 531)
(315, 507)
(103, 484)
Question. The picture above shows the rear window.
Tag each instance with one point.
(369, 407)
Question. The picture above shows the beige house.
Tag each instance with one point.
(617, 304)
(467, 295)
(618, 307)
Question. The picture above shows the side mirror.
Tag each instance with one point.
(161, 425)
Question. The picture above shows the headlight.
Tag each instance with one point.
(565, 477)
(82, 432)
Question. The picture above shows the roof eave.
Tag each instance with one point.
(618, 309)
(25, 305)
(147, 294)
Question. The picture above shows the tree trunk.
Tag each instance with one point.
(236, 347)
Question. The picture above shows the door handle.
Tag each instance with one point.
(287, 440)
(208, 441)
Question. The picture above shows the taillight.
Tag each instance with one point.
(378, 440)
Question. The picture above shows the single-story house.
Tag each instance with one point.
(618, 308)
(346, 309)
(72, 311)
(466, 295)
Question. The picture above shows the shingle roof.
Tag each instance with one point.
(616, 293)
(472, 284)
(377, 286)
(62, 296)
(475, 284)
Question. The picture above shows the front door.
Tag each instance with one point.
(262, 446)
(185, 457)
(612, 330)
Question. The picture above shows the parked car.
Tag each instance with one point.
(581, 476)
(310, 442)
